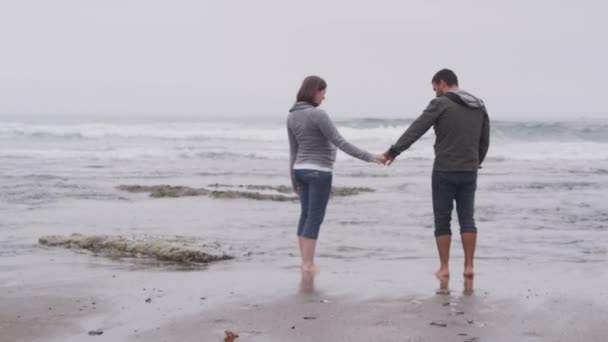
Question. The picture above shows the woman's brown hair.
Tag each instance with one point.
(310, 86)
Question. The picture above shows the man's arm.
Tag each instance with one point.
(484, 142)
(417, 129)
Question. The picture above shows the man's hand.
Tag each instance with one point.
(388, 158)
(296, 190)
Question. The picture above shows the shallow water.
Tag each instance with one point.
(532, 204)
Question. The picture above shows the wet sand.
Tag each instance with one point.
(541, 266)
(371, 300)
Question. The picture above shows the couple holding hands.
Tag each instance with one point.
(462, 130)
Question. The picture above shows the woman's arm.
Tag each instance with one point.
(330, 131)
(293, 151)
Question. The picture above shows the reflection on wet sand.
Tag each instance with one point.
(468, 286)
(307, 284)
(444, 286)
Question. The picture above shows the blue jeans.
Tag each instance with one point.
(447, 188)
(314, 188)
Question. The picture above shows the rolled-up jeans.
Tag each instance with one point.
(314, 188)
(450, 187)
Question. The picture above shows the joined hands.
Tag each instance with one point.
(383, 158)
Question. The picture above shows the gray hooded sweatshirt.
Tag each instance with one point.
(462, 130)
(313, 139)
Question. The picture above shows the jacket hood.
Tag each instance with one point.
(465, 98)
(300, 106)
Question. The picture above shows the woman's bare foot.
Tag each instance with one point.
(307, 285)
(468, 272)
(312, 268)
(442, 273)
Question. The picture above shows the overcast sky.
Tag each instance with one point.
(527, 59)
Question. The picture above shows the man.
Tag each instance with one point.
(462, 130)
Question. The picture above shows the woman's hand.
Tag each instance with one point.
(379, 159)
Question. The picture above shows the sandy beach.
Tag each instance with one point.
(385, 291)
(396, 300)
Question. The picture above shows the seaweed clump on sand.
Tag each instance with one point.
(159, 191)
(279, 193)
(251, 195)
(349, 191)
(175, 250)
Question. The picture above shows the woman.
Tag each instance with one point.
(313, 139)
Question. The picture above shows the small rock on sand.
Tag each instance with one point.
(230, 336)
(439, 324)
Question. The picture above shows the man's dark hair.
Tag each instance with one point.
(446, 75)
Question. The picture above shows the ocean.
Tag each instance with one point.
(542, 190)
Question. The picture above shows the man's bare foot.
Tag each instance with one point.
(312, 268)
(468, 272)
(442, 273)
